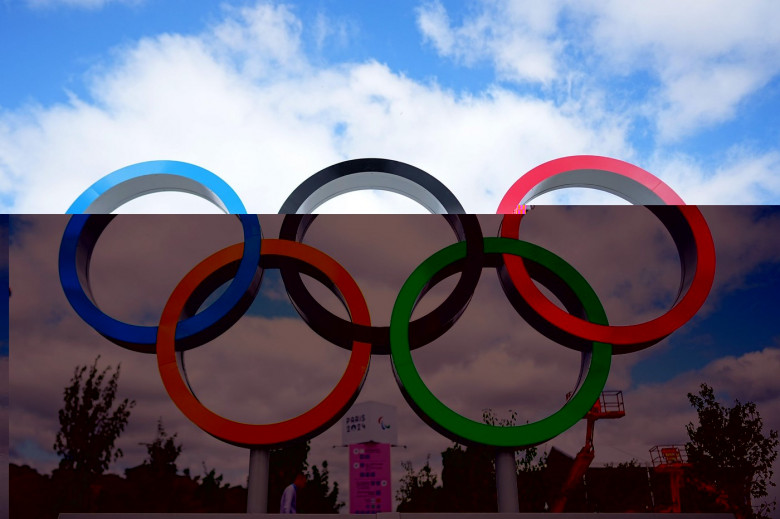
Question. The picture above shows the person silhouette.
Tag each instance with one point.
(288, 504)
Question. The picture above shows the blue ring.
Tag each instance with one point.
(143, 178)
(78, 242)
(113, 190)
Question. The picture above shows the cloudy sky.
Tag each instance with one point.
(270, 366)
(476, 93)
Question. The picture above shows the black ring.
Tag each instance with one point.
(422, 330)
(384, 174)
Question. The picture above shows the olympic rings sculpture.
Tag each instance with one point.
(582, 326)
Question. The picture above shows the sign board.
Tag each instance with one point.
(370, 422)
(369, 478)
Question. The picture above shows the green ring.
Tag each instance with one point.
(465, 430)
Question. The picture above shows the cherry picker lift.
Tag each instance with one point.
(609, 405)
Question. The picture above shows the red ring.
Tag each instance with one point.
(522, 191)
(631, 183)
(309, 423)
(632, 337)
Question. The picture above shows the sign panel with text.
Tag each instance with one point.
(369, 478)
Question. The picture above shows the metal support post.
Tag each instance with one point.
(257, 486)
(506, 482)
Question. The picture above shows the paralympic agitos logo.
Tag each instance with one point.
(583, 325)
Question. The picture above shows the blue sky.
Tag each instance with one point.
(44, 69)
(476, 93)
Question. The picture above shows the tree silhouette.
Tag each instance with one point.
(89, 427)
(152, 485)
(317, 497)
(418, 491)
(162, 452)
(729, 451)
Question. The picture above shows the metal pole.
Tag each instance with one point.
(506, 482)
(257, 486)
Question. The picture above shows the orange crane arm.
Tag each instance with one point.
(581, 463)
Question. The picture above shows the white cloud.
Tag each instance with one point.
(435, 26)
(703, 98)
(517, 38)
(263, 40)
(244, 100)
(705, 57)
(708, 56)
(744, 177)
(332, 31)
